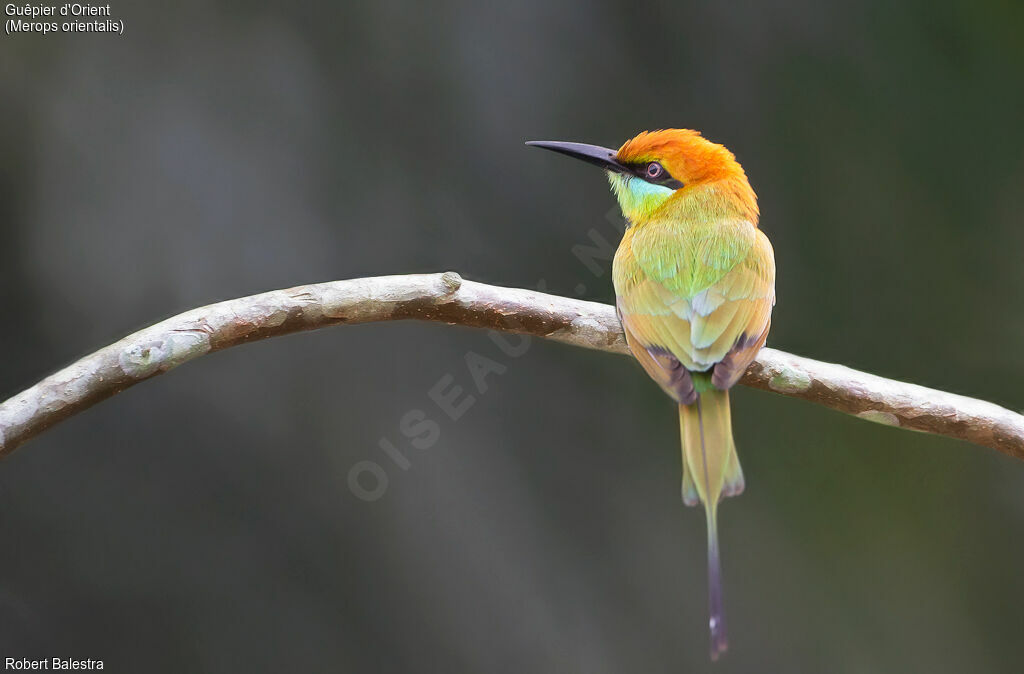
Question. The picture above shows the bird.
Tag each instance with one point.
(694, 281)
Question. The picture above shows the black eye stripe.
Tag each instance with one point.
(665, 178)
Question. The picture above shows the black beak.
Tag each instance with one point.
(592, 154)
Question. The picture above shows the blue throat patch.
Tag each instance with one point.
(636, 196)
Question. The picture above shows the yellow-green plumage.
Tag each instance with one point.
(695, 284)
(692, 285)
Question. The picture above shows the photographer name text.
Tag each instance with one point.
(51, 664)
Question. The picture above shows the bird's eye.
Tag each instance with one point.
(655, 170)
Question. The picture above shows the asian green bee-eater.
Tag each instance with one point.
(695, 285)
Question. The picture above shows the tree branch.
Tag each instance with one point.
(449, 299)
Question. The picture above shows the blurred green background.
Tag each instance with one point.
(203, 521)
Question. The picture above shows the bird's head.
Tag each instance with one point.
(656, 168)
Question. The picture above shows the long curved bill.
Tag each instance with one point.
(592, 154)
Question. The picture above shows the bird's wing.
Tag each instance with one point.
(702, 296)
(661, 366)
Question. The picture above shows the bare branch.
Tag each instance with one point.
(449, 299)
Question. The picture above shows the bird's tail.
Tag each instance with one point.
(711, 470)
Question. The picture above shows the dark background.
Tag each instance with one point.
(203, 521)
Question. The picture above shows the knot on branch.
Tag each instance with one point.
(451, 281)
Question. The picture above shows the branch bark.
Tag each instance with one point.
(448, 298)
